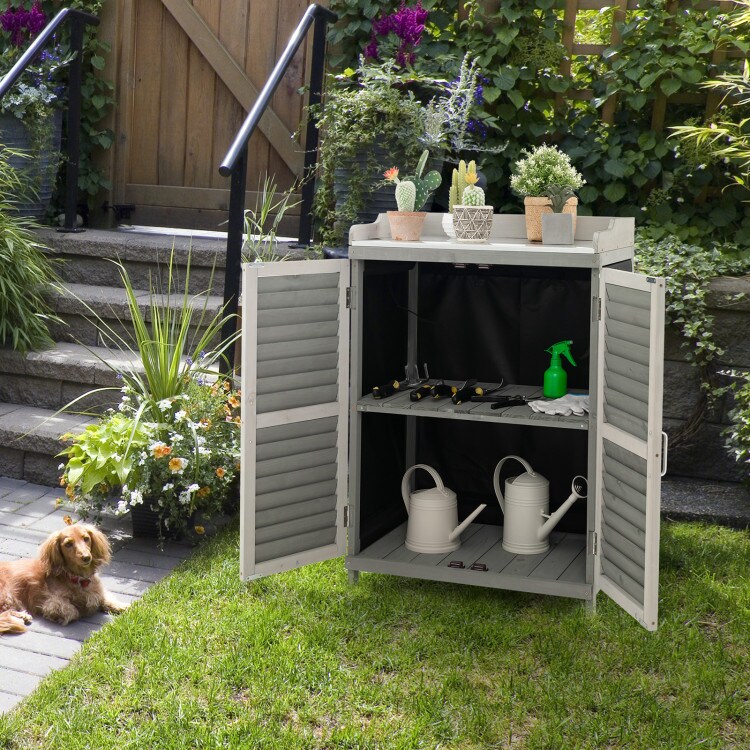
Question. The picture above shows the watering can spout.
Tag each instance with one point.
(579, 489)
(462, 526)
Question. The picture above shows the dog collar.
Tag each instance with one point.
(79, 580)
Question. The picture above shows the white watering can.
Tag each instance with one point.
(528, 524)
(433, 515)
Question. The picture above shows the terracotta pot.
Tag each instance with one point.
(406, 226)
(535, 207)
(472, 223)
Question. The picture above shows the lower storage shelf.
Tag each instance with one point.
(561, 571)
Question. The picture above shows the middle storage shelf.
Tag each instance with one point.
(401, 402)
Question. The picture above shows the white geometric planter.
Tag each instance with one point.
(472, 223)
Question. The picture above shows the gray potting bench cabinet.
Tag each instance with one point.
(322, 460)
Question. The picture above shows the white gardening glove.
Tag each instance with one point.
(564, 406)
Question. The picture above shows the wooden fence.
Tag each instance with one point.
(187, 72)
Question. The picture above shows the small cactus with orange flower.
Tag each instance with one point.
(412, 192)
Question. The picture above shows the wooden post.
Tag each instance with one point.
(609, 107)
(568, 38)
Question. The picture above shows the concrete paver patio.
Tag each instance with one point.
(28, 513)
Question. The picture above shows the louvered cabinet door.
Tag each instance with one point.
(629, 441)
(293, 488)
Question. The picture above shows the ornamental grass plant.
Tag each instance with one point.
(173, 442)
(25, 271)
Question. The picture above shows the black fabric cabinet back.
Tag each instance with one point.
(485, 323)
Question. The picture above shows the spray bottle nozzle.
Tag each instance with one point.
(561, 347)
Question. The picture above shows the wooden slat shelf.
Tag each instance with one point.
(401, 403)
(561, 571)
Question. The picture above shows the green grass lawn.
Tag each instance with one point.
(305, 660)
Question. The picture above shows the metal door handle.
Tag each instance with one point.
(664, 449)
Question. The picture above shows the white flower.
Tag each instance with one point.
(136, 497)
(61, 467)
(168, 486)
(203, 451)
(165, 403)
(122, 507)
(180, 415)
(186, 494)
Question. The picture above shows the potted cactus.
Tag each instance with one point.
(532, 176)
(411, 194)
(557, 227)
(472, 219)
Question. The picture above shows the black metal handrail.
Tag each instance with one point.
(77, 20)
(235, 161)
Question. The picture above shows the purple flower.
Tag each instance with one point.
(23, 25)
(477, 127)
(407, 24)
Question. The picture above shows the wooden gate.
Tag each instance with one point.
(187, 72)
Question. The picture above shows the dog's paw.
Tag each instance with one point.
(22, 614)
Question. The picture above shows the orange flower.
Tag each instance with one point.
(203, 491)
(233, 402)
(391, 174)
(58, 502)
(70, 491)
(225, 385)
(205, 422)
(177, 464)
(220, 472)
(68, 520)
(160, 450)
(199, 530)
(237, 420)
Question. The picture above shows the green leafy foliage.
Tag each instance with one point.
(102, 455)
(630, 169)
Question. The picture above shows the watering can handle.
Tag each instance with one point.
(405, 481)
(496, 478)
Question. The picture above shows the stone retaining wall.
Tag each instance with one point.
(704, 456)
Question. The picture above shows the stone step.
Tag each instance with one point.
(54, 377)
(30, 441)
(79, 304)
(87, 258)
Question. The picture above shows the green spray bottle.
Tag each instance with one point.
(555, 377)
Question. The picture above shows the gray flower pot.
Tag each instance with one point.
(557, 229)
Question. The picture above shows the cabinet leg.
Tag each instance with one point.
(591, 607)
(353, 576)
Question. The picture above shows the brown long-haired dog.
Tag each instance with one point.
(60, 584)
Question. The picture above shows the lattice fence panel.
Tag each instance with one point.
(571, 9)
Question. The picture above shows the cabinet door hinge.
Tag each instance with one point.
(350, 298)
(596, 309)
(346, 516)
(594, 543)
